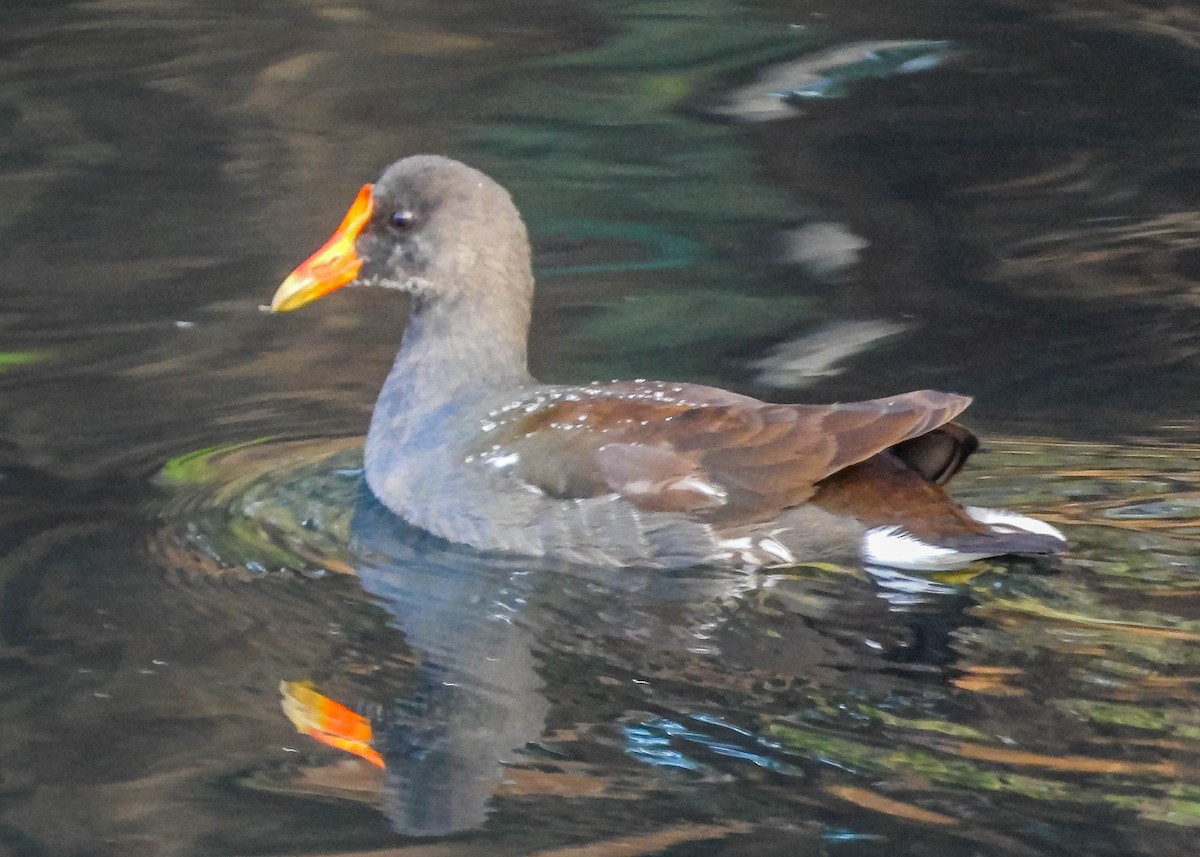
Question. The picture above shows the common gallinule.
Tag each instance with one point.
(466, 444)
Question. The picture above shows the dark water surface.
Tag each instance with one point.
(998, 197)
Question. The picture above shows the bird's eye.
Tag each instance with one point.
(403, 220)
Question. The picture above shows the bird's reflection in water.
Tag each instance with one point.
(471, 619)
(478, 699)
(481, 626)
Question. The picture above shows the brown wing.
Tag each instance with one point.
(715, 455)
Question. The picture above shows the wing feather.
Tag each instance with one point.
(718, 456)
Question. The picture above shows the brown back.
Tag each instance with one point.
(718, 456)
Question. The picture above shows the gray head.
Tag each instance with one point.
(433, 227)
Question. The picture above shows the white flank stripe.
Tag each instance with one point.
(773, 547)
(894, 548)
(1004, 521)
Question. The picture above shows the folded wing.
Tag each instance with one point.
(718, 456)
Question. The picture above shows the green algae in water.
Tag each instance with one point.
(196, 466)
(15, 359)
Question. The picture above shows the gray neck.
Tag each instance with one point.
(451, 350)
(462, 349)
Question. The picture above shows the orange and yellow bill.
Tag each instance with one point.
(333, 266)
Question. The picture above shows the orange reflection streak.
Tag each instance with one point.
(1159, 743)
(328, 721)
(1011, 612)
(1074, 764)
(1146, 523)
(1159, 687)
(1103, 473)
(992, 669)
(988, 686)
(525, 781)
(647, 843)
(877, 802)
(991, 680)
(1169, 680)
